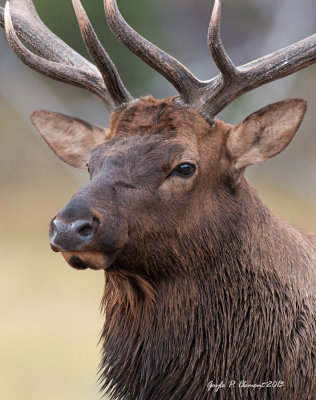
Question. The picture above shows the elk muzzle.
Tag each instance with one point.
(67, 236)
(85, 241)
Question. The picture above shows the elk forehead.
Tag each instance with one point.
(151, 116)
(151, 137)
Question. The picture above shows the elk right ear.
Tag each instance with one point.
(70, 138)
(265, 133)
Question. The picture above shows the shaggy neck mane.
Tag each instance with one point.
(194, 326)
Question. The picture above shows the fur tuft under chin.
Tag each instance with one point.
(129, 300)
(129, 291)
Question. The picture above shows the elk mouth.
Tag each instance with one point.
(89, 259)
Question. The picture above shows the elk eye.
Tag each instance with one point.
(185, 169)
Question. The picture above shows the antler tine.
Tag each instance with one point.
(112, 80)
(219, 55)
(176, 73)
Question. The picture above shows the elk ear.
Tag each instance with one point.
(70, 138)
(265, 133)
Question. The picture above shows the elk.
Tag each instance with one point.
(204, 286)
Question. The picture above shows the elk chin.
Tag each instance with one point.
(89, 259)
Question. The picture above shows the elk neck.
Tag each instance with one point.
(236, 279)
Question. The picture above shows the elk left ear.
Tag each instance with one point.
(265, 133)
(70, 138)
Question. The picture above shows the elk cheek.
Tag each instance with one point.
(113, 233)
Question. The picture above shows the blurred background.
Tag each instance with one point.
(49, 312)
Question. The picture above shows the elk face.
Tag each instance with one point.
(155, 174)
(159, 160)
(146, 173)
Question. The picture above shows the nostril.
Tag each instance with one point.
(85, 230)
(71, 236)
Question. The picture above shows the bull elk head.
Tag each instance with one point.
(164, 150)
(167, 196)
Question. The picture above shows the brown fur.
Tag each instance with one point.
(205, 284)
(80, 134)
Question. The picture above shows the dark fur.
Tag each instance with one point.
(203, 283)
(209, 285)
(233, 308)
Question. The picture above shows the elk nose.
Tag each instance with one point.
(72, 236)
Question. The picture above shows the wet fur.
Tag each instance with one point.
(208, 285)
(231, 297)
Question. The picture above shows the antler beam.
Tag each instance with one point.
(56, 59)
(30, 28)
(220, 57)
(104, 63)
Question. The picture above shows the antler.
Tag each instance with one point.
(210, 97)
(235, 81)
(56, 59)
(104, 63)
(176, 73)
(59, 61)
